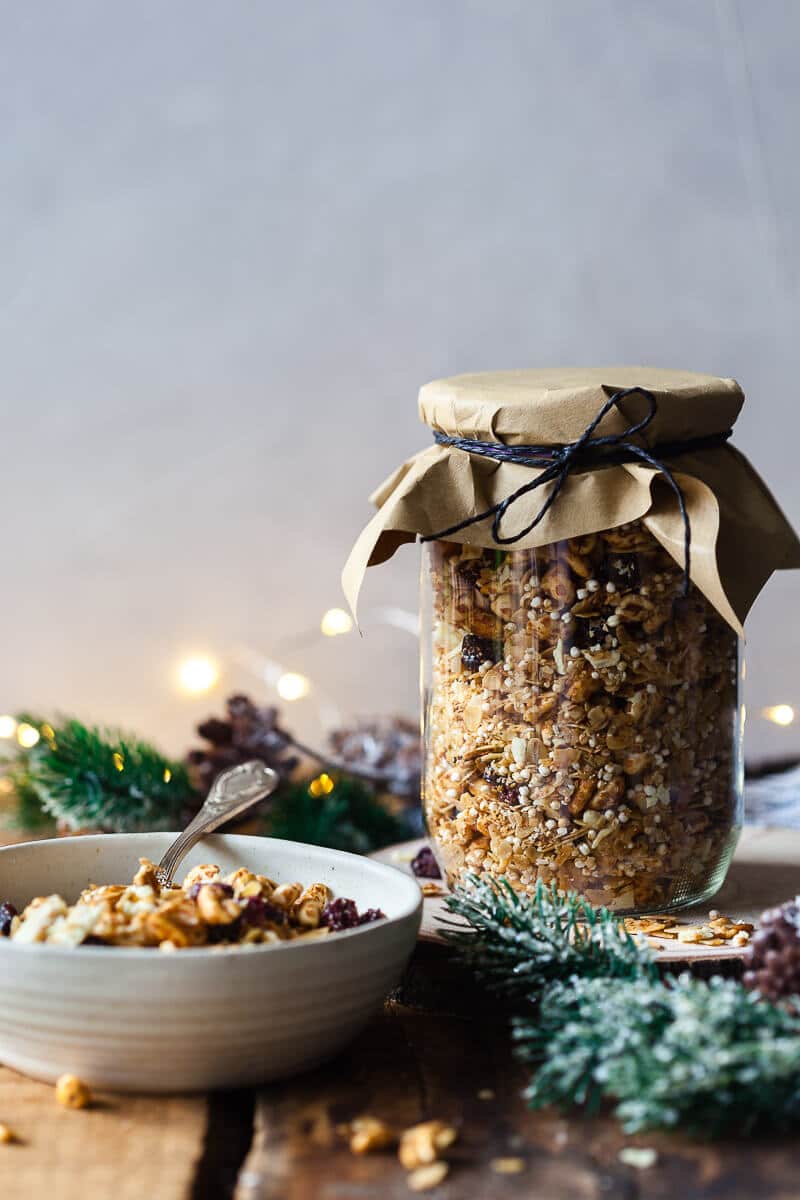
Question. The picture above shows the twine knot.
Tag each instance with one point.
(585, 453)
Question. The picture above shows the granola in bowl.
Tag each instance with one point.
(582, 721)
(207, 909)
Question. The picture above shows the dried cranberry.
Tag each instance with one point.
(7, 914)
(340, 914)
(589, 632)
(371, 914)
(622, 570)
(222, 889)
(476, 650)
(469, 571)
(258, 913)
(508, 793)
(225, 933)
(425, 866)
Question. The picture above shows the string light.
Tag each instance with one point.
(27, 735)
(779, 714)
(198, 674)
(118, 760)
(292, 686)
(323, 785)
(335, 622)
(167, 775)
(8, 727)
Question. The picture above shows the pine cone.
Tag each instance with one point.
(389, 745)
(249, 732)
(772, 959)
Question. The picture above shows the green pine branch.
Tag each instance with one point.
(348, 818)
(86, 778)
(598, 1024)
(710, 1057)
(516, 944)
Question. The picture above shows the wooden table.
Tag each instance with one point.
(413, 1062)
(438, 1049)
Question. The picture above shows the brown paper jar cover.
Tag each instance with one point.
(739, 535)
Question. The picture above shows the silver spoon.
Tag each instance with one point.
(232, 793)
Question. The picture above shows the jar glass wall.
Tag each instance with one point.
(582, 721)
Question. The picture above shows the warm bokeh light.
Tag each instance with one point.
(292, 686)
(27, 735)
(8, 727)
(167, 774)
(119, 761)
(323, 785)
(779, 714)
(6, 786)
(198, 674)
(335, 621)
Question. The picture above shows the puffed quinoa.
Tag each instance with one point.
(240, 909)
(612, 714)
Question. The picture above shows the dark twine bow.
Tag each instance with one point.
(584, 454)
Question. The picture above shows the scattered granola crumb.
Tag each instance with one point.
(508, 1166)
(72, 1092)
(719, 930)
(640, 1157)
(425, 1178)
(7, 1135)
(486, 1094)
(431, 889)
(422, 1144)
(368, 1134)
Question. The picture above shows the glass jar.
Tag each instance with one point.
(582, 721)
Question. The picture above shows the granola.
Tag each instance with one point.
(718, 930)
(582, 722)
(239, 909)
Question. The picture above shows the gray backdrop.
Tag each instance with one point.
(237, 237)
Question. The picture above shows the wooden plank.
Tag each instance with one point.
(411, 1066)
(124, 1147)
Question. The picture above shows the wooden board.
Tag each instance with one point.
(765, 871)
(125, 1147)
(413, 1066)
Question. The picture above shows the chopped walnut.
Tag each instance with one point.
(368, 1134)
(423, 1143)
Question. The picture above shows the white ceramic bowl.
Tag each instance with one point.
(140, 1020)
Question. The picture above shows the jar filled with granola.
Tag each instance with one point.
(592, 546)
(582, 720)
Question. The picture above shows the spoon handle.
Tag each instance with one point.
(232, 793)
